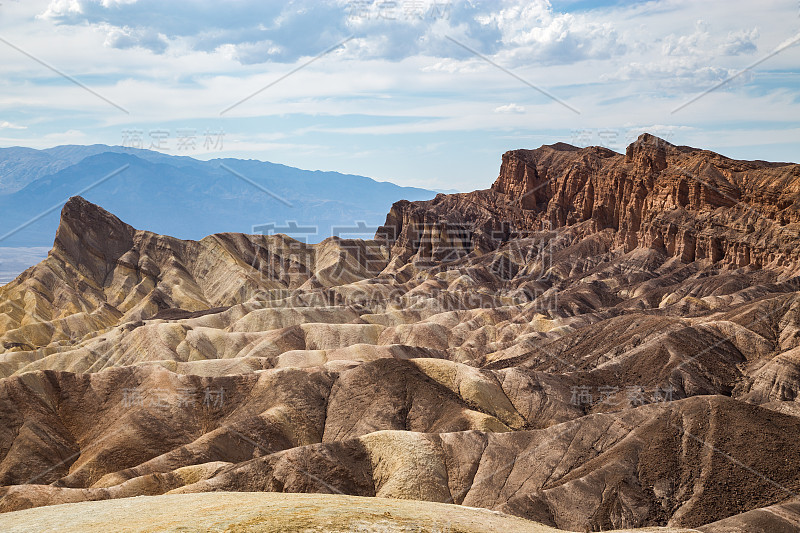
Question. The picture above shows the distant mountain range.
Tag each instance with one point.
(184, 197)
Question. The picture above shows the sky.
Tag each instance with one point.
(419, 92)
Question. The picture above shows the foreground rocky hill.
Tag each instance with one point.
(598, 341)
(271, 512)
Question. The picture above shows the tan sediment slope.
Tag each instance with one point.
(598, 341)
(271, 512)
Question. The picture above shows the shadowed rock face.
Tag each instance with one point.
(683, 202)
(598, 341)
(779, 518)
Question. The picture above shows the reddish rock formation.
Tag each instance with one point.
(598, 341)
(689, 203)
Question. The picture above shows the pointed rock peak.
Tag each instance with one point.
(649, 139)
(77, 207)
(88, 233)
(81, 214)
(651, 144)
(562, 147)
(649, 153)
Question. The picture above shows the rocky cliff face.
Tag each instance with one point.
(693, 204)
(598, 341)
(102, 272)
(690, 204)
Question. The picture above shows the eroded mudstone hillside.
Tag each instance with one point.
(598, 341)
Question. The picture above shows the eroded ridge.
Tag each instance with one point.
(598, 341)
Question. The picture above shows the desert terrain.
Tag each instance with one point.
(598, 341)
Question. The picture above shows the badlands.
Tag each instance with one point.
(599, 341)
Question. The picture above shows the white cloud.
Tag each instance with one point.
(113, 3)
(271, 31)
(4, 124)
(125, 37)
(677, 74)
(788, 42)
(704, 42)
(534, 32)
(509, 108)
(453, 66)
(398, 81)
(62, 8)
(740, 42)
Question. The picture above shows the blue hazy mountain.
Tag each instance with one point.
(185, 197)
(20, 166)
